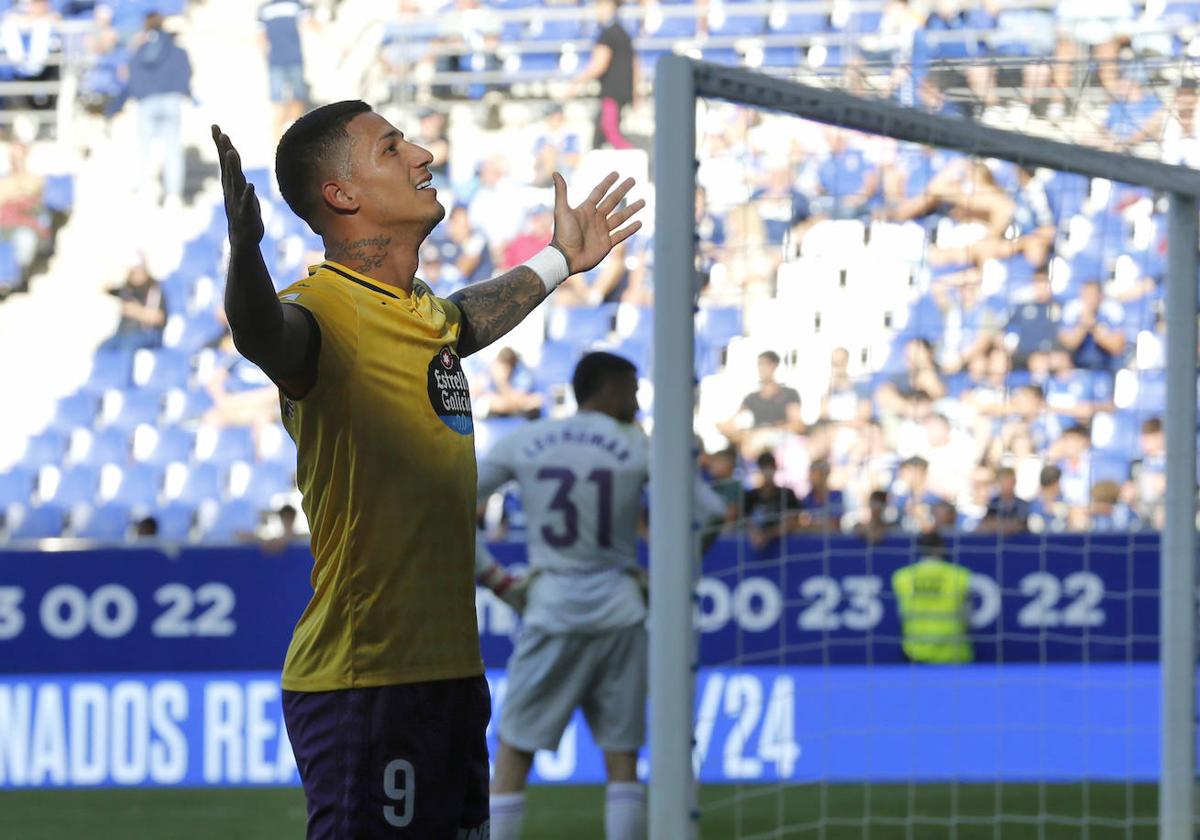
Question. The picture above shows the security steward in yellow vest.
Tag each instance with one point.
(932, 595)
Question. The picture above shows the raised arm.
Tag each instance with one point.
(277, 338)
(583, 236)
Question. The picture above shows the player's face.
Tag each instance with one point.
(391, 176)
(629, 402)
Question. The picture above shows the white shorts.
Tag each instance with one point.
(550, 675)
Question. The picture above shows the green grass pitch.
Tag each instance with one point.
(1054, 812)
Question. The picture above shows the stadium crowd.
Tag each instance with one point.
(1011, 380)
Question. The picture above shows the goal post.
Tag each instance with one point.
(680, 82)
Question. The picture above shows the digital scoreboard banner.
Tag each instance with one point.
(889, 723)
(1057, 599)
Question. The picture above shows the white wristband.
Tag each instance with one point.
(550, 265)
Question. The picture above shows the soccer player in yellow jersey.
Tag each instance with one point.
(384, 696)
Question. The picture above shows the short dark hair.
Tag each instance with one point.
(766, 461)
(308, 150)
(595, 370)
(771, 356)
(930, 543)
(1050, 475)
(1152, 425)
(880, 495)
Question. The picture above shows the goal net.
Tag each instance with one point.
(942, 334)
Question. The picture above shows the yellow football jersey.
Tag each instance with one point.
(386, 464)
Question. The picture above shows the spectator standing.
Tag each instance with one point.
(879, 521)
(1150, 473)
(160, 81)
(1108, 512)
(1007, 513)
(279, 35)
(1048, 512)
(23, 218)
(769, 509)
(1033, 324)
(766, 413)
(613, 64)
(27, 38)
(143, 311)
(822, 508)
(508, 390)
(556, 149)
(1092, 329)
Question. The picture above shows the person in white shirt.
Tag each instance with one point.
(583, 637)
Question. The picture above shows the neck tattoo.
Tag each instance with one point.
(361, 254)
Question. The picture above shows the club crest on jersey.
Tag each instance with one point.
(449, 393)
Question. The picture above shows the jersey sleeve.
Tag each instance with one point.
(498, 467)
(334, 318)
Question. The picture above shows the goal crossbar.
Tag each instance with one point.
(679, 81)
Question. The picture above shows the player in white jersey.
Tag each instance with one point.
(583, 637)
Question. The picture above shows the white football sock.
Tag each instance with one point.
(624, 811)
(507, 810)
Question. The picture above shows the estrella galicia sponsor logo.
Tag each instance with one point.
(449, 392)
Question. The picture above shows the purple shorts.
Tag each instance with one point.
(394, 761)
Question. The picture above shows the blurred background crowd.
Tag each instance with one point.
(889, 337)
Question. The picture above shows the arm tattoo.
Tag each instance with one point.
(363, 255)
(492, 308)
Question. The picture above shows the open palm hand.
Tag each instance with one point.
(585, 234)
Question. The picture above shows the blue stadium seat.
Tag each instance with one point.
(555, 30)
(10, 269)
(16, 486)
(187, 404)
(204, 482)
(76, 485)
(1151, 393)
(139, 485)
(48, 447)
(174, 521)
(1116, 432)
(138, 407)
(722, 55)
(863, 21)
(1180, 14)
(177, 289)
(107, 523)
(582, 326)
(810, 23)
(267, 481)
(77, 411)
(680, 26)
(110, 369)
(58, 194)
(175, 443)
(1110, 467)
(539, 62)
(234, 444)
(108, 446)
(38, 523)
(737, 25)
(637, 352)
(718, 325)
(233, 517)
(199, 330)
(557, 365)
(161, 369)
(200, 256)
(1066, 193)
(782, 57)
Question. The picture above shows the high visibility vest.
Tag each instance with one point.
(932, 597)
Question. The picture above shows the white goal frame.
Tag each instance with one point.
(679, 83)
